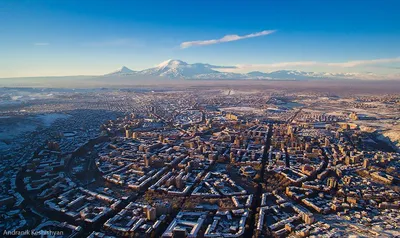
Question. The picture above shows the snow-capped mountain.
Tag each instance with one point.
(177, 69)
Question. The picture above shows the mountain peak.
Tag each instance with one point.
(171, 63)
(123, 70)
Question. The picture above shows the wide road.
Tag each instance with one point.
(257, 196)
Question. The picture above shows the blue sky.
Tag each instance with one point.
(70, 37)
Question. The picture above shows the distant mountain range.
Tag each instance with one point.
(177, 69)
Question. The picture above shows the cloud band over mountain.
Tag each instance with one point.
(226, 38)
(348, 64)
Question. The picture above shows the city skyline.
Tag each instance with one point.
(43, 38)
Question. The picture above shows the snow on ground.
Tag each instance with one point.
(3, 146)
(337, 113)
(394, 135)
(242, 109)
(13, 130)
(49, 119)
(11, 127)
(389, 129)
(232, 92)
(353, 228)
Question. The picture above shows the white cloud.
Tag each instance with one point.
(348, 64)
(364, 62)
(278, 65)
(226, 38)
(41, 44)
